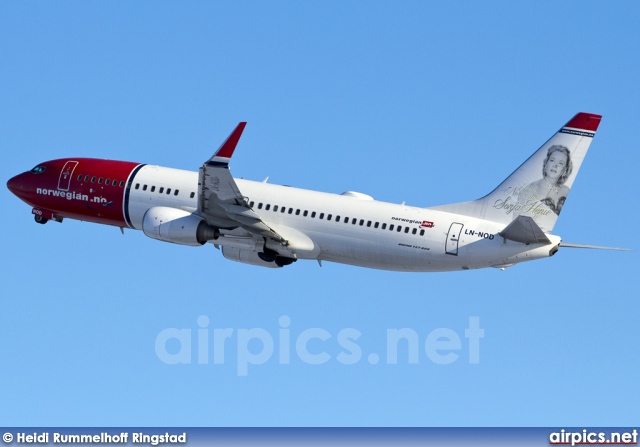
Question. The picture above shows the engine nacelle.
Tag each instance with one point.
(246, 257)
(177, 226)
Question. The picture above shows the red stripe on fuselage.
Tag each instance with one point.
(86, 196)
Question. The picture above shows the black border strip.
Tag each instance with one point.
(127, 191)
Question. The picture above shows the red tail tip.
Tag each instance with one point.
(585, 121)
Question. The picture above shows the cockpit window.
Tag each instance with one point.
(38, 169)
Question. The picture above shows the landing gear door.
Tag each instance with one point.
(65, 175)
(453, 237)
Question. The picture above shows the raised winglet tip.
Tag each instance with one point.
(229, 145)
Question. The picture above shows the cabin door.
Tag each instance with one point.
(65, 175)
(453, 237)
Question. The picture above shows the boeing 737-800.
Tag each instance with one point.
(273, 226)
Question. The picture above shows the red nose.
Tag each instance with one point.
(15, 184)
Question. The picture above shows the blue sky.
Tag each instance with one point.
(422, 102)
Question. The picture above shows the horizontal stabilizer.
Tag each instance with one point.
(524, 229)
(595, 247)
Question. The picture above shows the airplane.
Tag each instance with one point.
(273, 226)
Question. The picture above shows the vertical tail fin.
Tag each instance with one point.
(540, 186)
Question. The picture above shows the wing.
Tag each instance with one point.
(220, 201)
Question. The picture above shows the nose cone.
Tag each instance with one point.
(15, 185)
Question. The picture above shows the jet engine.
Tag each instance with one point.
(177, 226)
(246, 257)
(266, 258)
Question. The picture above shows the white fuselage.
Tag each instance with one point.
(349, 229)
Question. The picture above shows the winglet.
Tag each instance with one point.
(224, 152)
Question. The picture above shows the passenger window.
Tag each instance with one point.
(260, 205)
(337, 218)
(268, 207)
(297, 212)
(93, 179)
(121, 183)
(192, 195)
(290, 210)
(353, 221)
(137, 185)
(161, 190)
(376, 225)
(168, 191)
(384, 226)
(108, 182)
(100, 181)
(80, 177)
(86, 178)
(399, 228)
(250, 204)
(283, 209)
(306, 213)
(153, 188)
(346, 220)
(361, 222)
(406, 229)
(421, 232)
(144, 188)
(313, 214)
(414, 231)
(328, 216)
(275, 208)
(368, 223)
(321, 215)
(175, 193)
(391, 227)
